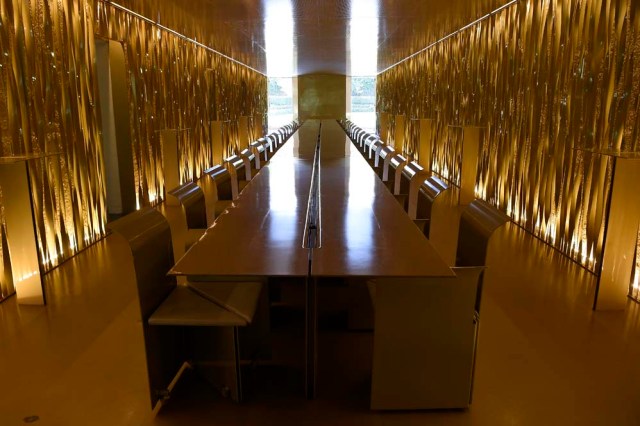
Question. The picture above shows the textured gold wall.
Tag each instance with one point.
(322, 96)
(49, 102)
(176, 84)
(634, 287)
(544, 77)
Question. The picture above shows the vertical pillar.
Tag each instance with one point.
(621, 232)
(398, 133)
(470, 152)
(170, 164)
(424, 148)
(21, 236)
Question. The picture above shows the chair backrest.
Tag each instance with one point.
(191, 198)
(396, 164)
(385, 155)
(222, 179)
(430, 189)
(407, 174)
(149, 237)
(249, 163)
(478, 222)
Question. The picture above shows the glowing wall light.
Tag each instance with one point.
(48, 52)
(178, 83)
(19, 232)
(47, 103)
(545, 77)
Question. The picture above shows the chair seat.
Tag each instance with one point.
(240, 298)
(185, 307)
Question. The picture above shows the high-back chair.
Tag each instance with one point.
(176, 320)
(191, 199)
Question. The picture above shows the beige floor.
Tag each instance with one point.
(545, 358)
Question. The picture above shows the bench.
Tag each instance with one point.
(179, 324)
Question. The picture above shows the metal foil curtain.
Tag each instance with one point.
(176, 84)
(548, 79)
(48, 103)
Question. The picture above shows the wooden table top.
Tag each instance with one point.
(364, 230)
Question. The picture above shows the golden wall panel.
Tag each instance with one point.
(544, 77)
(634, 287)
(176, 84)
(7, 287)
(48, 103)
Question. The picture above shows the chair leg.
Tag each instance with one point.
(238, 369)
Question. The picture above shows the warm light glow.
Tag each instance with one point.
(448, 36)
(363, 38)
(177, 34)
(529, 164)
(26, 276)
(278, 34)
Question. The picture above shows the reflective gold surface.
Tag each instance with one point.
(544, 77)
(176, 84)
(321, 96)
(48, 103)
(634, 287)
(293, 37)
(7, 287)
(261, 234)
(364, 231)
(544, 357)
(48, 53)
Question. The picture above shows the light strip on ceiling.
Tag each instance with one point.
(177, 34)
(458, 31)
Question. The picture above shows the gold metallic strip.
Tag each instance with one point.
(544, 77)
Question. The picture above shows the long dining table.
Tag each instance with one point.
(362, 230)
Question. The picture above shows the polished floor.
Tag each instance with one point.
(545, 358)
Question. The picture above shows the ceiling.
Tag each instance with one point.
(283, 38)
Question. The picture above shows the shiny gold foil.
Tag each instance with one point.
(545, 77)
(634, 287)
(49, 103)
(176, 84)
